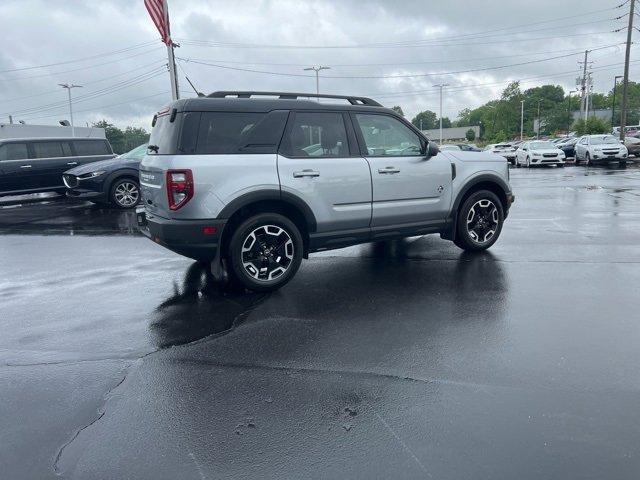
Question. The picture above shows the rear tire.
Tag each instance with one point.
(480, 220)
(265, 252)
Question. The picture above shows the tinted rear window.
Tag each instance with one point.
(13, 151)
(47, 149)
(91, 147)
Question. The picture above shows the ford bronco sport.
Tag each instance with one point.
(256, 184)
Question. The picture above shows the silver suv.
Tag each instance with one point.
(254, 185)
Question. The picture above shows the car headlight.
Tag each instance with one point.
(95, 174)
(535, 154)
(597, 149)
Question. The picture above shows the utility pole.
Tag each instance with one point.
(521, 119)
(569, 118)
(583, 86)
(69, 87)
(613, 102)
(625, 85)
(317, 70)
(175, 92)
(441, 85)
(10, 119)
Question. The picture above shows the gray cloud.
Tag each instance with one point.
(128, 87)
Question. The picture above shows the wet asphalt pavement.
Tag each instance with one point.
(409, 359)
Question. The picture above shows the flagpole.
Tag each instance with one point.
(175, 93)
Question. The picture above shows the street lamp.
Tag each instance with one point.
(317, 70)
(569, 117)
(69, 87)
(521, 119)
(441, 85)
(613, 103)
(538, 129)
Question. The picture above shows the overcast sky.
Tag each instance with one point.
(414, 44)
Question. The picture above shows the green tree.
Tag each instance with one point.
(134, 137)
(426, 120)
(398, 110)
(593, 125)
(446, 123)
(470, 135)
(114, 135)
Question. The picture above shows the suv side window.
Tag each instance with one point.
(85, 148)
(385, 136)
(47, 149)
(13, 151)
(315, 134)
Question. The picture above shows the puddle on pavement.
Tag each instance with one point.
(200, 306)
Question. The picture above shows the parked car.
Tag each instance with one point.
(32, 165)
(114, 181)
(468, 147)
(600, 148)
(450, 147)
(539, 152)
(568, 147)
(230, 178)
(633, 146)
(507, 150)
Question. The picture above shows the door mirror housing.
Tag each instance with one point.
(432, 149)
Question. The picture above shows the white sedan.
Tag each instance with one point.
(539, 153)
(506, 150)
(600, 148)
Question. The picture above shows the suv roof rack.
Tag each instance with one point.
(294, 96)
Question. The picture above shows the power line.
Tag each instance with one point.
(106, 54)
(413, 75)
(410, 43)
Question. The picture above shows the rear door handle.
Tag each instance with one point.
(306, 173)
(25, 166)
(72, 163)
(388, 170)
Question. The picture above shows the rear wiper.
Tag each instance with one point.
(153, 148)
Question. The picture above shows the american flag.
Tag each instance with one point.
(159, 15)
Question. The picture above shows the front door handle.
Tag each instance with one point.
(25, 166)
(388, 170)
(72, 163)
(306, 173)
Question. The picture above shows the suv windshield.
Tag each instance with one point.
(136, 153)
(604, 140)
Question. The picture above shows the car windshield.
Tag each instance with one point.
(449, 147)
(542, 145)
(604, 140)
(503, 145)
(136, 153)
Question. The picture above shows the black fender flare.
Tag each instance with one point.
(275, 195)
(450, 231)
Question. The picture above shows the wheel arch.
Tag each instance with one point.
(272, 201)
(490, 182)
(117, 175)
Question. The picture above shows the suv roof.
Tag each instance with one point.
(243, 101)
(49, 139)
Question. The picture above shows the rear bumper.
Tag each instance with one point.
(197, 239)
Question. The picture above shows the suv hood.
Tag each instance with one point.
(108, 165)
(483, 156)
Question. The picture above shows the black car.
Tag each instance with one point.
(468, 147)
(568, 147)
(115, 181)
(33, 165)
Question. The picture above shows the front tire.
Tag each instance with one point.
(125, 193)
(480, 220)
(265, 252)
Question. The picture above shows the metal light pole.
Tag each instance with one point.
(441, 85)
(69, 87)
(521, 119)
(317, 70)
(569, 118)
(538, 129)
(613, 103)
(625, 85)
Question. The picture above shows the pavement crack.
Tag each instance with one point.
(101, 412)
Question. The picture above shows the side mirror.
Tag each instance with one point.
(432, 149)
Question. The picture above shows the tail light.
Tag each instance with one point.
(179, 188)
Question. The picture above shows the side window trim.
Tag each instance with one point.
(363, 146)
(291, 122)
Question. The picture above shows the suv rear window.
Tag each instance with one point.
(215, 133)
